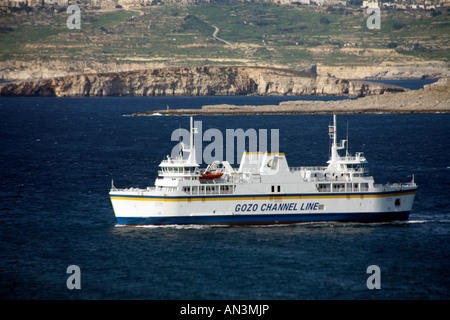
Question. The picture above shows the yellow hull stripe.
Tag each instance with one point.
(257, 198)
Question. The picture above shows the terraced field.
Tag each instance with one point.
(253, 33)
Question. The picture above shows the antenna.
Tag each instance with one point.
(191, 133)
(346, 150)
(192, 146)
(329, 140)
(179, 140)
(332, 131)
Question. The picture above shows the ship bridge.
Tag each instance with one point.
(348, 164)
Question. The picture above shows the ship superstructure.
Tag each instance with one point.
(263, 190)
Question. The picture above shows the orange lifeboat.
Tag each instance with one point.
(209, 175)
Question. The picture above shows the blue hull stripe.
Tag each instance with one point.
(266, 218)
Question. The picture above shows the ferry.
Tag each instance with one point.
(263, 190)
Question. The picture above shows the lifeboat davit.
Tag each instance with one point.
(210, 175)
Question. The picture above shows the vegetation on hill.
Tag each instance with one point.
(259, 33)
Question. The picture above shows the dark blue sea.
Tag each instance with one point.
(59, 155)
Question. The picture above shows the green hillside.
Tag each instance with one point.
(258, 32)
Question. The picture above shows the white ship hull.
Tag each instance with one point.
(264, 190)
(134, 208)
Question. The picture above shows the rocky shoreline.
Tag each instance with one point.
(196, 81)
(431, 99)
(241, 80)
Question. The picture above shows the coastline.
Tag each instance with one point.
(433, 98)
(197, 81)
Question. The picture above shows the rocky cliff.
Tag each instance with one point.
(194, 81)
(383, 71)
